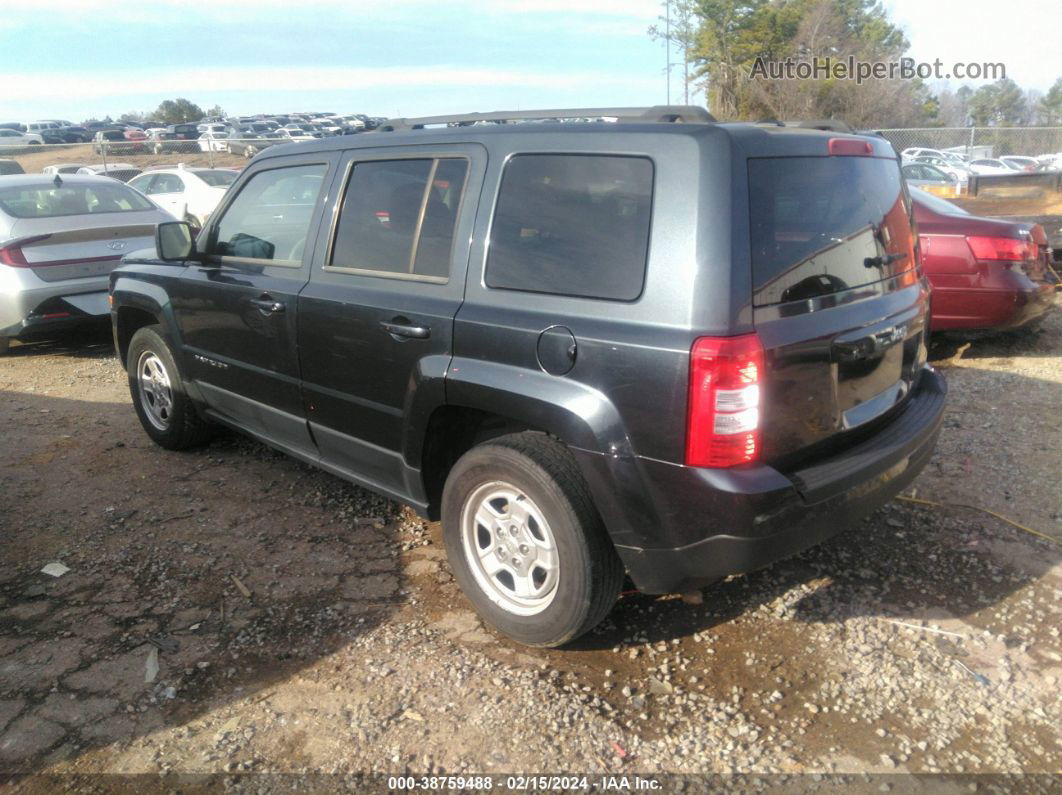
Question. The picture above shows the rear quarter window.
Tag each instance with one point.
(575, 225)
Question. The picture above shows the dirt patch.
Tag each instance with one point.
(924, 640)
(32, 161)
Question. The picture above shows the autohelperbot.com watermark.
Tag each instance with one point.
(828, 67)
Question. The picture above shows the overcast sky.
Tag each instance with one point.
(80, 58)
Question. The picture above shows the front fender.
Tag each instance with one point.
(128, 292)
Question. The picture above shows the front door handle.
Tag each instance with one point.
(267, 306)
(406, 330)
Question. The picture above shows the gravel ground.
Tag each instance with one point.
(299, 624)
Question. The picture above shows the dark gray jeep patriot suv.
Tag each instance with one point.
(671, 350)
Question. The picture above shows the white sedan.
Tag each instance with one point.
(16, 138)
(213, 142)
(296, 135)
(990, 166)
(190, 194)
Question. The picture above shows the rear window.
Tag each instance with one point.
(398, 217)
(50, 202)
(574, 225)
(217, 179)
(821, 225)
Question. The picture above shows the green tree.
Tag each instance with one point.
(177, 111)
(734, 34)
(999, 104)
(132, 117)
(1050, 107)
(216, 110)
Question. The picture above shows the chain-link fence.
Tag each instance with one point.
(978, 142)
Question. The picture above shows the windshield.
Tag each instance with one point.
(217, 179)
(820, 225)
(48, 201)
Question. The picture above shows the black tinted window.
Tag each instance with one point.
(572, 225)
(817, 221)
(385, 204)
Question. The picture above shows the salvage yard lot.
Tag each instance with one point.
(355, 650)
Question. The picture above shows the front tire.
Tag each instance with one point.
(5, 344)
(159, 396)
(526, 543)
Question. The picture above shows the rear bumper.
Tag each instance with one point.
(721, 522)
(990, 309)
(29, 313)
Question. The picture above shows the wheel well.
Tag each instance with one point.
(452, 432)
(131, 320)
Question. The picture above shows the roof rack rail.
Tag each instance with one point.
(656, 113)
(832, 125)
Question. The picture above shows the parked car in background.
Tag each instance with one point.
(212, 127)
(288, 135)
(920, 151)
(190, 194)
(10, 167)
(986, 273)
(183, 132)
(1049, 162)
(248, 144)
(124, 141)
(920, 174)
(1019, 162)
(58, 243)
(159, 140)
(303, 131)
(213, 142)
(9, 137)
(958, 173)
(123, 172)
(74, 134)
(986, 166)
(62, 168)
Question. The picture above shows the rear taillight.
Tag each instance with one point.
(12, 254)
(723, 426)
(1009, 249)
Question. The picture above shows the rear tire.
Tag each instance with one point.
(159, 396)
(544, 571)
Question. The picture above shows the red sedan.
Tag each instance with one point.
(986, 273)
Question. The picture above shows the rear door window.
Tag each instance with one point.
(574, 225)
(821, 225)
(398, 217)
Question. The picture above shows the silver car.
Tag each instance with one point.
(60, 237)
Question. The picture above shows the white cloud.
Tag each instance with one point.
(183, 82)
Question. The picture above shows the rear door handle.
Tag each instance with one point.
(267, 306)
(406, 330)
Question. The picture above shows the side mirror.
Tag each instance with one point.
(174, 241)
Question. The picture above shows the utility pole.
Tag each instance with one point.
(667, 48)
